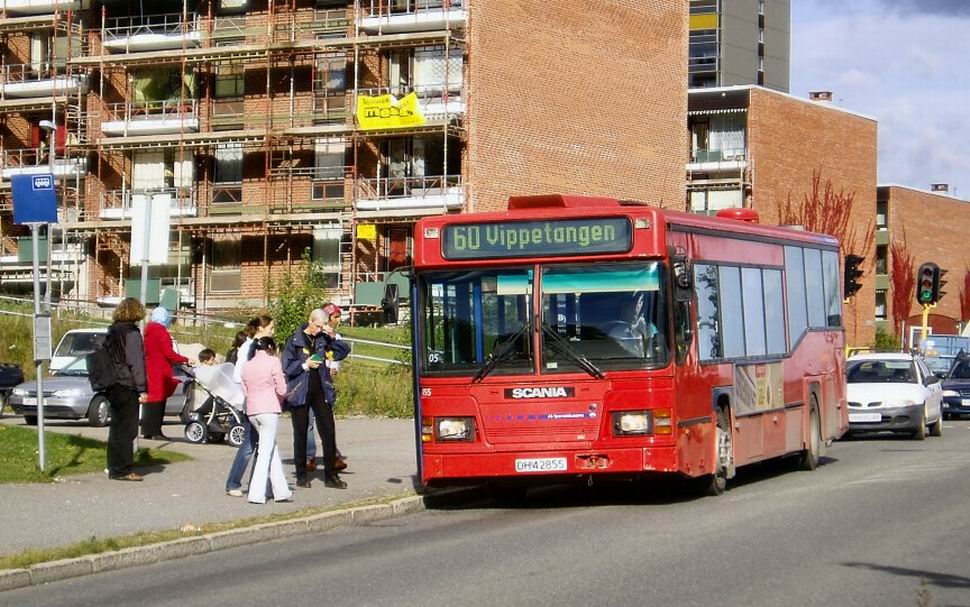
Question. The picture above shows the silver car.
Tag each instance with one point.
(68, 393)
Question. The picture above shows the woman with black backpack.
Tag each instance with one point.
(124, 343)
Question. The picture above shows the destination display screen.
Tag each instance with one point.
(547, 238)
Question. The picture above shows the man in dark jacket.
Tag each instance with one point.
(124, 343)
(309, 389)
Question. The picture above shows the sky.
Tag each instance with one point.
(905, 63)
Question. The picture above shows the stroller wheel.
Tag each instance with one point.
(237, 435)
(195, 432)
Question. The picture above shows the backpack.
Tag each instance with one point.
(101, 364)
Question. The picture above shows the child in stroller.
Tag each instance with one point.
(219, 400)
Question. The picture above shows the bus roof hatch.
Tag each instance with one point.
(559, 201)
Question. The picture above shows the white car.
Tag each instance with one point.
(894, 393)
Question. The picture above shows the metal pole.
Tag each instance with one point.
(42, 457)
(143, 295)
(51, 141)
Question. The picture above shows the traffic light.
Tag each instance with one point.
(851, 275)
(928, 284)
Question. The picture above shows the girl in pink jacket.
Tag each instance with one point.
(265, 386)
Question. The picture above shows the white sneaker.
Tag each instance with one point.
(235, 493)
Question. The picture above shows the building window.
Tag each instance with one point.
(882, 259)
(326, 254)
(881, 305)
(227, 176)
(226, 274)
(882, 215)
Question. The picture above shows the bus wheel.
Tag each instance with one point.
(808, 459)
(715, 484)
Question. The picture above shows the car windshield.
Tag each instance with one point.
(614, 316)
(881, 372)
(938, 364)
(79, 344)
(961, 370)
(467, 315)
(76, 368)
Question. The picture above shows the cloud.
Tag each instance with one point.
(929, 7)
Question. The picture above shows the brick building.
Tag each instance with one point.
(931, 226)
(238, 116)
(755, 147)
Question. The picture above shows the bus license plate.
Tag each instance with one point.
(544, 464)
(865, 417)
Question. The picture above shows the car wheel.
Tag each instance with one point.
(30, 420)
(98, 412)
(195, 432)
(920, 432)
(936, 428)
(237, 435)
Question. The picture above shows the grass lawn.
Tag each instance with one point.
(66, 454)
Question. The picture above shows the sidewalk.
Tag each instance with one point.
(381, 463)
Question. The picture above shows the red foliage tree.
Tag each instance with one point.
(965, 297)
(827, 211)
(903, 278)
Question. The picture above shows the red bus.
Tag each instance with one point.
(574, 336)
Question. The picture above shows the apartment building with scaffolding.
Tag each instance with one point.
(755, 147)
(241, 115)
(740, 42)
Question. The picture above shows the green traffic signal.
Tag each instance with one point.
(928, 279)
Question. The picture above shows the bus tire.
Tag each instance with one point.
(715, 484)
(808, 458)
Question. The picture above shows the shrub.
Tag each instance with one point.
(297, 294)
(886, 342)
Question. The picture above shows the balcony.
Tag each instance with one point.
(397, 16)
(39, 80)
(418, 194)
(436, 101)
(116, 204)
(718, 161)
(152, 118)
(39, 7)
(137, 33)
(32, 161)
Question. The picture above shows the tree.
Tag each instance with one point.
(965, 297)
(903, 279)
(297, 294)
(827, 211)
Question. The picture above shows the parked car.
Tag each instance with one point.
(68, 393)
(10, 376)
(956, 388)
(895, 393)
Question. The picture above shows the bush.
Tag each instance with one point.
(297, 294)
(364, 389)
(886, 342)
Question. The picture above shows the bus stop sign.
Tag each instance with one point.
(34, 199)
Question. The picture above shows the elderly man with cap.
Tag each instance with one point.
(159, 358)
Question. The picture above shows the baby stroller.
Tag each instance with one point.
(218, 414)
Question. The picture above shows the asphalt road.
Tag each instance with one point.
(882, 522)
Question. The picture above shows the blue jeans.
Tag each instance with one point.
(243, 456)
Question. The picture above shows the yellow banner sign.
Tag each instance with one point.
(388, 112)
(366, 231)
(706, 21)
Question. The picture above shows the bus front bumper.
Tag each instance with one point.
(544, 464)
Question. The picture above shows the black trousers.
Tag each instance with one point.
(326, 428)
(123, 429)
(151, 422)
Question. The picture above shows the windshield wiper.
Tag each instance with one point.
(560, 343)
(501, 352)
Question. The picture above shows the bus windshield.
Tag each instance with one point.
(614, 316)
(468, 314)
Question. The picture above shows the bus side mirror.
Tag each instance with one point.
(391, 303)
(683, 280)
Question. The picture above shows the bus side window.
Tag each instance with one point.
(683, 329)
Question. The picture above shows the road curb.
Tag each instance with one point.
(53, 571)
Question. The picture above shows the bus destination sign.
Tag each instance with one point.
(549, 238)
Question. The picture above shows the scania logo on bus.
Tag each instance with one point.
(544, 392)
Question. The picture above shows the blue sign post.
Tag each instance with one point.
(35, 204)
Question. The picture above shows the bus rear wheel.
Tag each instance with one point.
(808, 459)
(716, 483)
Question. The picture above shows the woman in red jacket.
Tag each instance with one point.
(159, 358)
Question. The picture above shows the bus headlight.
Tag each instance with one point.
(632, 423)
(454, 428)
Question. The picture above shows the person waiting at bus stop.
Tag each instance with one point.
(310, 390)
(333, 313)
(159, 358)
